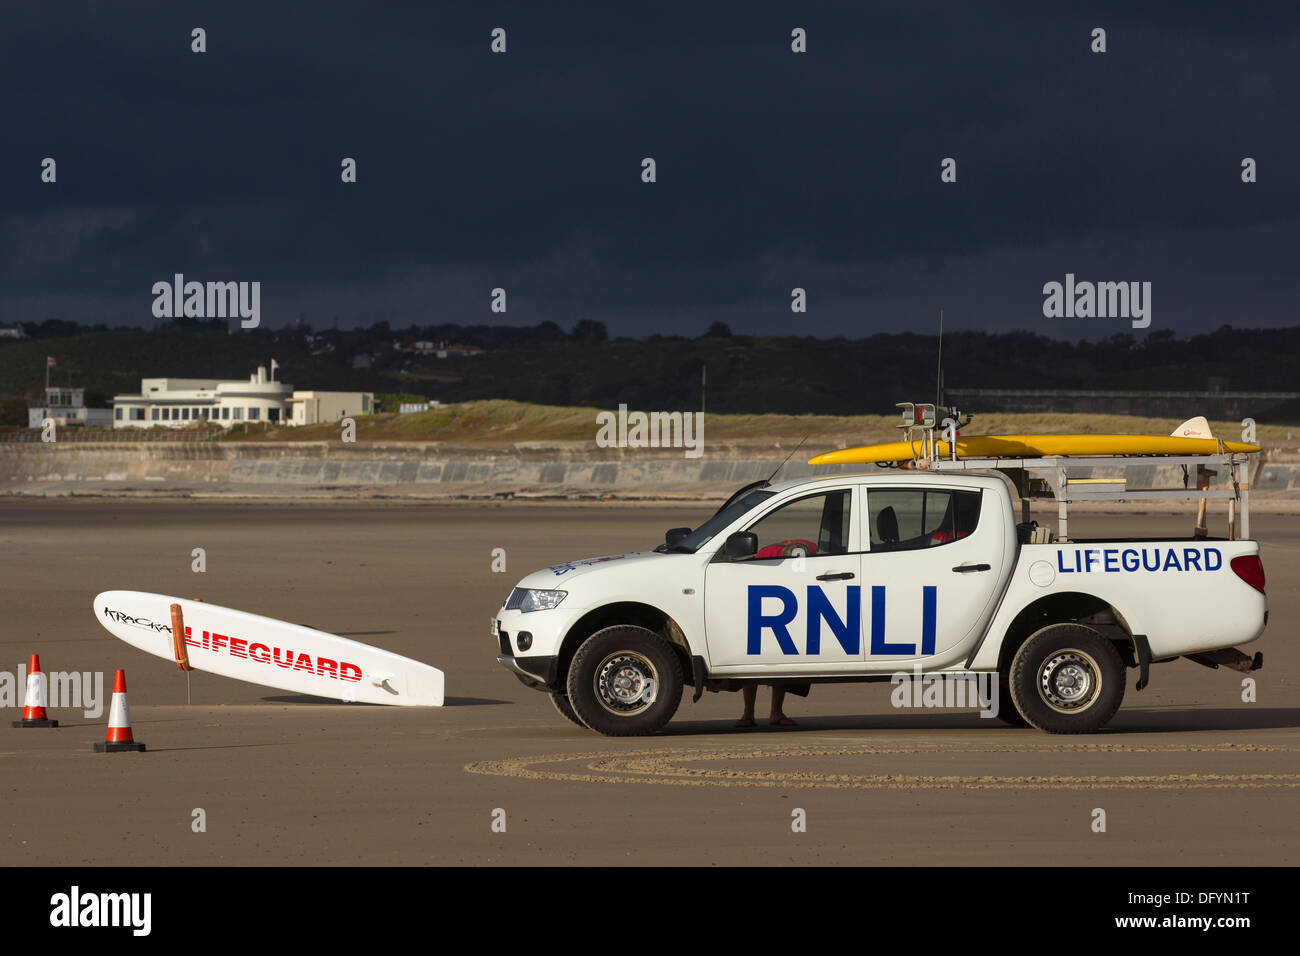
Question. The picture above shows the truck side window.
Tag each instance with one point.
(904, 519)
(809, 526)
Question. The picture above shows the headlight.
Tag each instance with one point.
(529, 599)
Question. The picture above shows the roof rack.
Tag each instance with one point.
(1059, 477)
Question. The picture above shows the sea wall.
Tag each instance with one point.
(406, 468)
(434, 469)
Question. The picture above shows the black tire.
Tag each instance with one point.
(614, 672)
(565, 710)
(1067, 679)
(1008, 713)
(1006, 709)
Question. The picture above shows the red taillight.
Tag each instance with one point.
(1250, 569)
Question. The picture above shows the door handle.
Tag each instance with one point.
(836, 576)
(968, 568)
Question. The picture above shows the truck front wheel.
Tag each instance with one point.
(1067, 679)
(565, 710)
(625, 681)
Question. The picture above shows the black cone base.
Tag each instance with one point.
(117, 746)
(36, 722)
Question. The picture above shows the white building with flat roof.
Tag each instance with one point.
(314, 407)
(67, 406)
(178, 402)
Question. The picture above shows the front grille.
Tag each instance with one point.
(504, 639)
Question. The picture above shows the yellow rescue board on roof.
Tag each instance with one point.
(1037, 446)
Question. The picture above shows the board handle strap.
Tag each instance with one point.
(179, 650)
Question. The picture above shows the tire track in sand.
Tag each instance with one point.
(681, 767)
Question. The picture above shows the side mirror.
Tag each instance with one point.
(742, 544)
(674, 535)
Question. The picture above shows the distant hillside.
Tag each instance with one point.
(505, 421)
(547, 366)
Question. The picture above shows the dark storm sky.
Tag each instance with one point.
(775, 169)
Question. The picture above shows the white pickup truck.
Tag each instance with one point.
(859, 577)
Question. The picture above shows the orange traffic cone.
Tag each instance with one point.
(34, 702)
(119, 736)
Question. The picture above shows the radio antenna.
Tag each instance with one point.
(938, 375)
(787, 458)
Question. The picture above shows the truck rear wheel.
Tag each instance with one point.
(1007, 712)
(565, 709)
(1067, 679)
(625, 681)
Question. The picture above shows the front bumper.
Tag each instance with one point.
(537, 671)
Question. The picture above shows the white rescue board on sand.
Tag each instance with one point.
(262, 650)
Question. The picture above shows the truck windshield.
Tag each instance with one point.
(707, 531)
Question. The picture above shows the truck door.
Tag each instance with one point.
(796, 601)
(930, 570)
